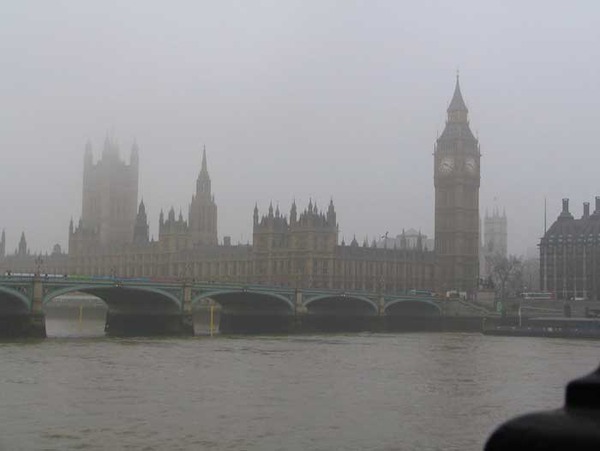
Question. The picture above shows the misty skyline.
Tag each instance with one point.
(297, 100)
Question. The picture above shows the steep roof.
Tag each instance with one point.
(457, 103)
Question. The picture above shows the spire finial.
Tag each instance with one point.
(457, 110)
(204, 166)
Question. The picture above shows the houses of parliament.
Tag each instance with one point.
(300, 247)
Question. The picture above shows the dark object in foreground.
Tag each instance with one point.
(575, 427)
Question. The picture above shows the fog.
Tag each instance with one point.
(297, 100)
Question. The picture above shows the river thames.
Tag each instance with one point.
(413, 391)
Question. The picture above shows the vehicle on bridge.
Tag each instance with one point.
(454, 294)
(537, 296)
(424, 293)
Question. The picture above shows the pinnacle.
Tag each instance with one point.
(204, 166)
(457, 103)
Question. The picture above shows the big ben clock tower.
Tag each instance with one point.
(456, 179)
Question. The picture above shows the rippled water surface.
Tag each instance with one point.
(361, 391)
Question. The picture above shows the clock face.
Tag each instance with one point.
(446, 165)
(471, 165)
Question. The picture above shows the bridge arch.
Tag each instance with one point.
(125, 298)
(240, 300)
(341, 303)
(420, 307)
(13, 300)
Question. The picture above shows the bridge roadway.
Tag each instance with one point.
(171, 306)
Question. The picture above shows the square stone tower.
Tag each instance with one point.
(110, 192)
(456, 180)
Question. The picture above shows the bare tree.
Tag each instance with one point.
(507, 273)
(531, 274)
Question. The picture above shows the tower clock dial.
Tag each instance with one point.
(446, 165)
(471, 165)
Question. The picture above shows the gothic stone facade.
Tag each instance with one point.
(301, 249)
(304, 251)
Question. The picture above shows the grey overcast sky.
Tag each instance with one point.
(297, 99)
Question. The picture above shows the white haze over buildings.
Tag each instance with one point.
(297, 99)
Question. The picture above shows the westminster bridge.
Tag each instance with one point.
(144, 306)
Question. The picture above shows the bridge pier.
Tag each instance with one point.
(29, 321)
(23, 326)
(187, 317)
(381, 305)
(300, 312)
(36, 326)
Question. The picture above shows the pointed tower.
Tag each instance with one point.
(293, 213)
(203, 181)
(331, 216)
(22, 250)
(3, 245)
(456, 180)
(203, 210)
(140, 231)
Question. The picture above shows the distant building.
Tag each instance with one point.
(184, 248)
(300, 249)
(408, 238)
(495, 239)
(109, 201)
(570, 254)
(304, 251)
(23, 261)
